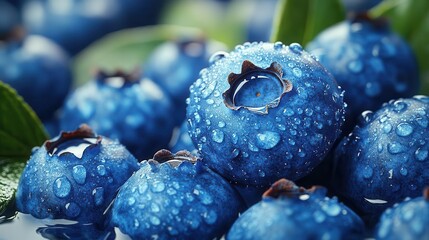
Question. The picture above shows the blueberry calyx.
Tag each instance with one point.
(256, 89)
(74, 142)
(288, 189)
(117, 79)
(165, 156)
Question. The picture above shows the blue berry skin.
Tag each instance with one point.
(359, 6)
(182, 141)
(178, 199)
(175, 65)
(120, 106)
(79, 23)
(281, 123)
(290, 212)
(385, 158)
(371, 63)
(406, 220)
(74, 176)
(76, 231)
(39, 71)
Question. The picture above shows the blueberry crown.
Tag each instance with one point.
(256, 89)
(117, 79)
(165, 156)
(74, 142)
(288, 189)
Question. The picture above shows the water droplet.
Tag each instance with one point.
(295, 47)
(205, 198)
(62, 187)
(387, 128)
(399, 106)
(158, 186)
(154, 208)
(423, 122)
(367, 172)
(331, 209)
(217, 136)
(131, 201)
(217, 56)
(210, 217)
(421, 154)
(172, 231)
(278, 45)
(101, 169)
(308, 112)
(234, 138)
(404, 129)
(154, 220)
(288, 112)
(221, 124)
(235, 153)
(72, 209)
(79, 174)
(252, 147)
(297, 72)
(171, 191)
(136, 223)
(267, 139)
(355, 66)
(395, 148)
(365, 117)
(403, 171)
(319, 216)
(98, 194)
(209, 89)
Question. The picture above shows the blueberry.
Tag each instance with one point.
(175, 65)
(385, 158)
(359, 6)
(264, 111)
(121, 106)
(76, 24)
(179, 198)
(406, 220)
(370, 62)
(291, 212)
(39, 71)
(74, 176)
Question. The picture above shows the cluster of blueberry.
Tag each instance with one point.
(254, 116)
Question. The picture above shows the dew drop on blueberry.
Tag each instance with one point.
(98, 195)
(79, 174)
(217, 136)
(355, 66)
(72, 209)
(404, 129)
(267, 139)
(421, 154)
(296, 48)
(217, 56)
(62, 187)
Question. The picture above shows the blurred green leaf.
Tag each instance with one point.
(125, 50)
(301, 20)
(20, 131)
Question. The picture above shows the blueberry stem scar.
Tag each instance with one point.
(287, 188)
(250, 72)
(174, 160)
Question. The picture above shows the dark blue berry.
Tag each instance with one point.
(182, 141)
(9, 19)
(175, 65)
(179, 198)
(371, 63)
(39, 71)
(264, 111)
(74, 176)
(406, 220)
(291, 212)
(385, 158)
(120, 106)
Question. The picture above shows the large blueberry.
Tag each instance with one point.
(385, 158)
(179, 198)
(406, 220)
(264, 111)
(39, 71)
(74, 176)
(175, 65)
(291, 212)
(371, 63)
(121, 106)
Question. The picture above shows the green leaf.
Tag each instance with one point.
(20, 131)
(301, 20)
(126, 49)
